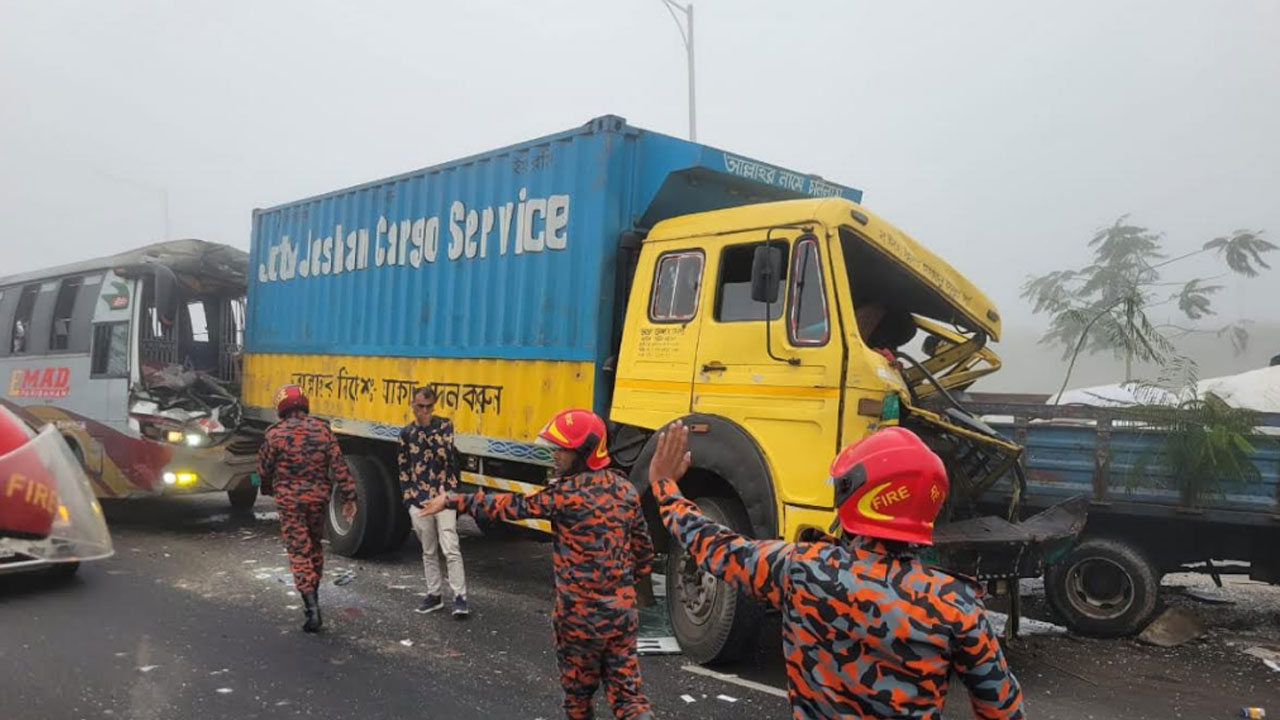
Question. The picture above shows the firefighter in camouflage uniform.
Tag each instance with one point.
(601, 549)
(868, 630)
(298, 463)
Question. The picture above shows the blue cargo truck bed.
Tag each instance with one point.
(1140, 525)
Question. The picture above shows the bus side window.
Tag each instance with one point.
(6, 310)
(110, 350)
(20, 329)
(60, 328)
(82, 314)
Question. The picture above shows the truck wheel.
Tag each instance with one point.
(243, 498)
(713, 622)
(1104, 588)
(370, 530)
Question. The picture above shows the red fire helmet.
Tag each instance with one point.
(28, 491)
(291, 397)
(889, 485)
(581, 431)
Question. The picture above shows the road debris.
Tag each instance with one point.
(1210, 595)
(1175, 626)
(688, 698)
(224, 691)
(1026, 627)
(657, 646)
(406, 642)
(1270, 656)
(147, 668)
(344, 577)
(727, 698)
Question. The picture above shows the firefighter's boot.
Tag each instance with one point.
(311, 607)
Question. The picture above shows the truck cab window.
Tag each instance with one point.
(733, 293)
(808, 321)
(20, 332)
(110, 350)
(675, 287)
(63, 306)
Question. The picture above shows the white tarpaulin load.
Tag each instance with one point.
(1257, 390)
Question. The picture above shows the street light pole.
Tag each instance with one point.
(687, 37)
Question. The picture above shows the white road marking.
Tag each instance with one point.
(734, 679)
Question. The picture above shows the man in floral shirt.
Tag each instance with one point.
(428, 467)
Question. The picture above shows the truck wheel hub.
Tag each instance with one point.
(1100, 588)
(336, 519)
(697, 590)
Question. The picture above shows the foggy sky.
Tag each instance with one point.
(1001, 134)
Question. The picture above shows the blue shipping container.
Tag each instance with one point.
(509, 254)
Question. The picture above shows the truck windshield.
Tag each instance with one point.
(886, 295)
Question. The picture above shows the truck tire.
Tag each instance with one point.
(243, 498)
(370, 531)
(713, 623)
(1104, 588)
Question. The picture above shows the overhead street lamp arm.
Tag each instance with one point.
(672, 6)
(686, 35)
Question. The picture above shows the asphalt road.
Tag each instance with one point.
(196, 617)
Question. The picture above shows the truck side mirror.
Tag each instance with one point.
(766, 274)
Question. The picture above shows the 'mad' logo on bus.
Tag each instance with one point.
(50, 382)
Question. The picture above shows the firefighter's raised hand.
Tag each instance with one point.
(434, 505)
(671, 459)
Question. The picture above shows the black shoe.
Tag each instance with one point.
(460, 611)
(311, 608)
(430, 604)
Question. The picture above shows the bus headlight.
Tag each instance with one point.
(181, 479)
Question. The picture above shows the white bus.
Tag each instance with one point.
(135, 358)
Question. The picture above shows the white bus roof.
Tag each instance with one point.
(190, 256)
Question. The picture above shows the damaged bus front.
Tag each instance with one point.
(135, 358)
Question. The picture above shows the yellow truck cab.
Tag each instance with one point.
(772, 329)
(808, 381)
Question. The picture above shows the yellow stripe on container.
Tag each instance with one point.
(528, 392)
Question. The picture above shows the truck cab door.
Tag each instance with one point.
(784, 388)
(660, 336)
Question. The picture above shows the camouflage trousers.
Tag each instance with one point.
(594, 647)
(301, 528)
